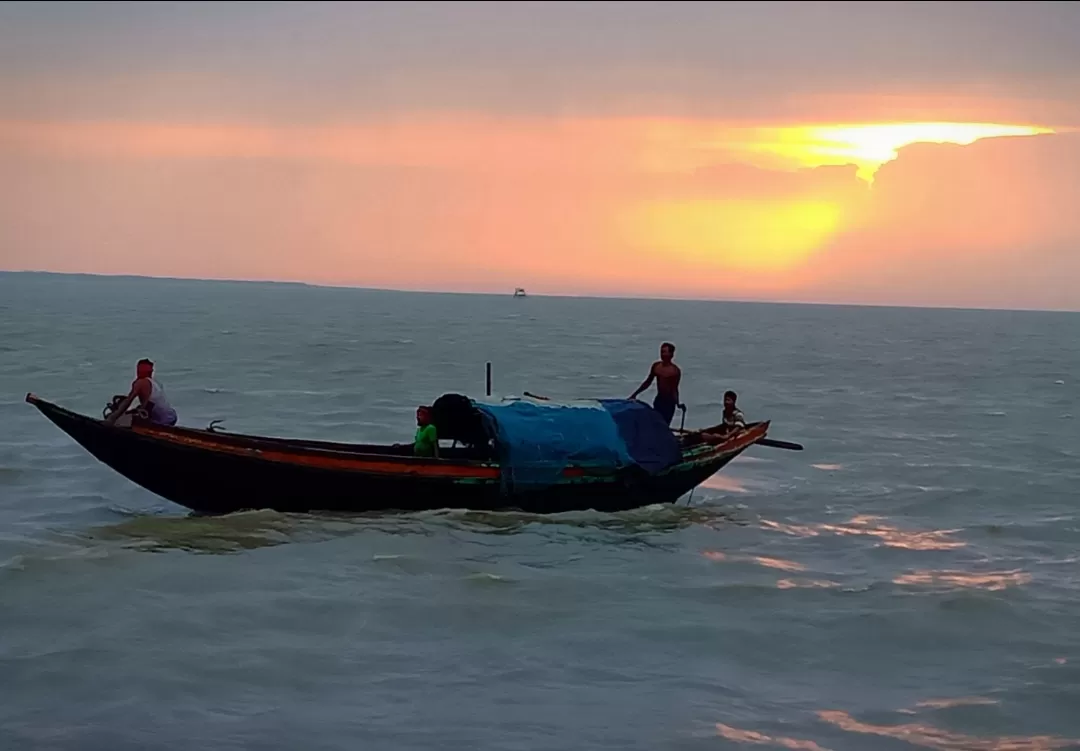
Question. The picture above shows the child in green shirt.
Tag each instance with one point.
(426, 442)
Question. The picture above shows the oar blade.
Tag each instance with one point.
(788, 445)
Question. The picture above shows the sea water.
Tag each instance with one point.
(911, 579)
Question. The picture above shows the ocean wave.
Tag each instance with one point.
(250, 530)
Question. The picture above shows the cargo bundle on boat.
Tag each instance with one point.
(528, 454)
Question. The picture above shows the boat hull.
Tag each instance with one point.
(217, 473)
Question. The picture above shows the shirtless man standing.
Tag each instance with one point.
(667, 376)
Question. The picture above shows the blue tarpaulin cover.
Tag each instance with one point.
(537, 440)
(648, 438)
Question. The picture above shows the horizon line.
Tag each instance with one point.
(556, 295)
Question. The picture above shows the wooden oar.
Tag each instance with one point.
(779, 444)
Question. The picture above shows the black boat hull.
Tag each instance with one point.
(214, 474)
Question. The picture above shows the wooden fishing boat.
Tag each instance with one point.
(215, 472)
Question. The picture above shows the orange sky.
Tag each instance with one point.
(927, 198)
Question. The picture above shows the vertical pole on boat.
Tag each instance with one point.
(489, 379)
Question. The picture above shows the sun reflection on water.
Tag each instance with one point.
(992, 581)
(913, 733)
(872, 526)
(962, 701)
(928, 736)
(778, 564)
(749, 736)
(805, 584)
(724, 482)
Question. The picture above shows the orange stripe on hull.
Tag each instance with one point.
(419, 467)
(402, 466)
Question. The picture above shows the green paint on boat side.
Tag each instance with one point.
(474, 481)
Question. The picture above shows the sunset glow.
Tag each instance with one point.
(870, 145)
(691, 152)
(735, 235)
(767, 236)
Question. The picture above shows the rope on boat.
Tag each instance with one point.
(140, 412)
(112, 406)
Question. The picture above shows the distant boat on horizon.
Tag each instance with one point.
(520, 292)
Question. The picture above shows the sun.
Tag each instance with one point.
(748, 236)
(770, 236)
(868, 146)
